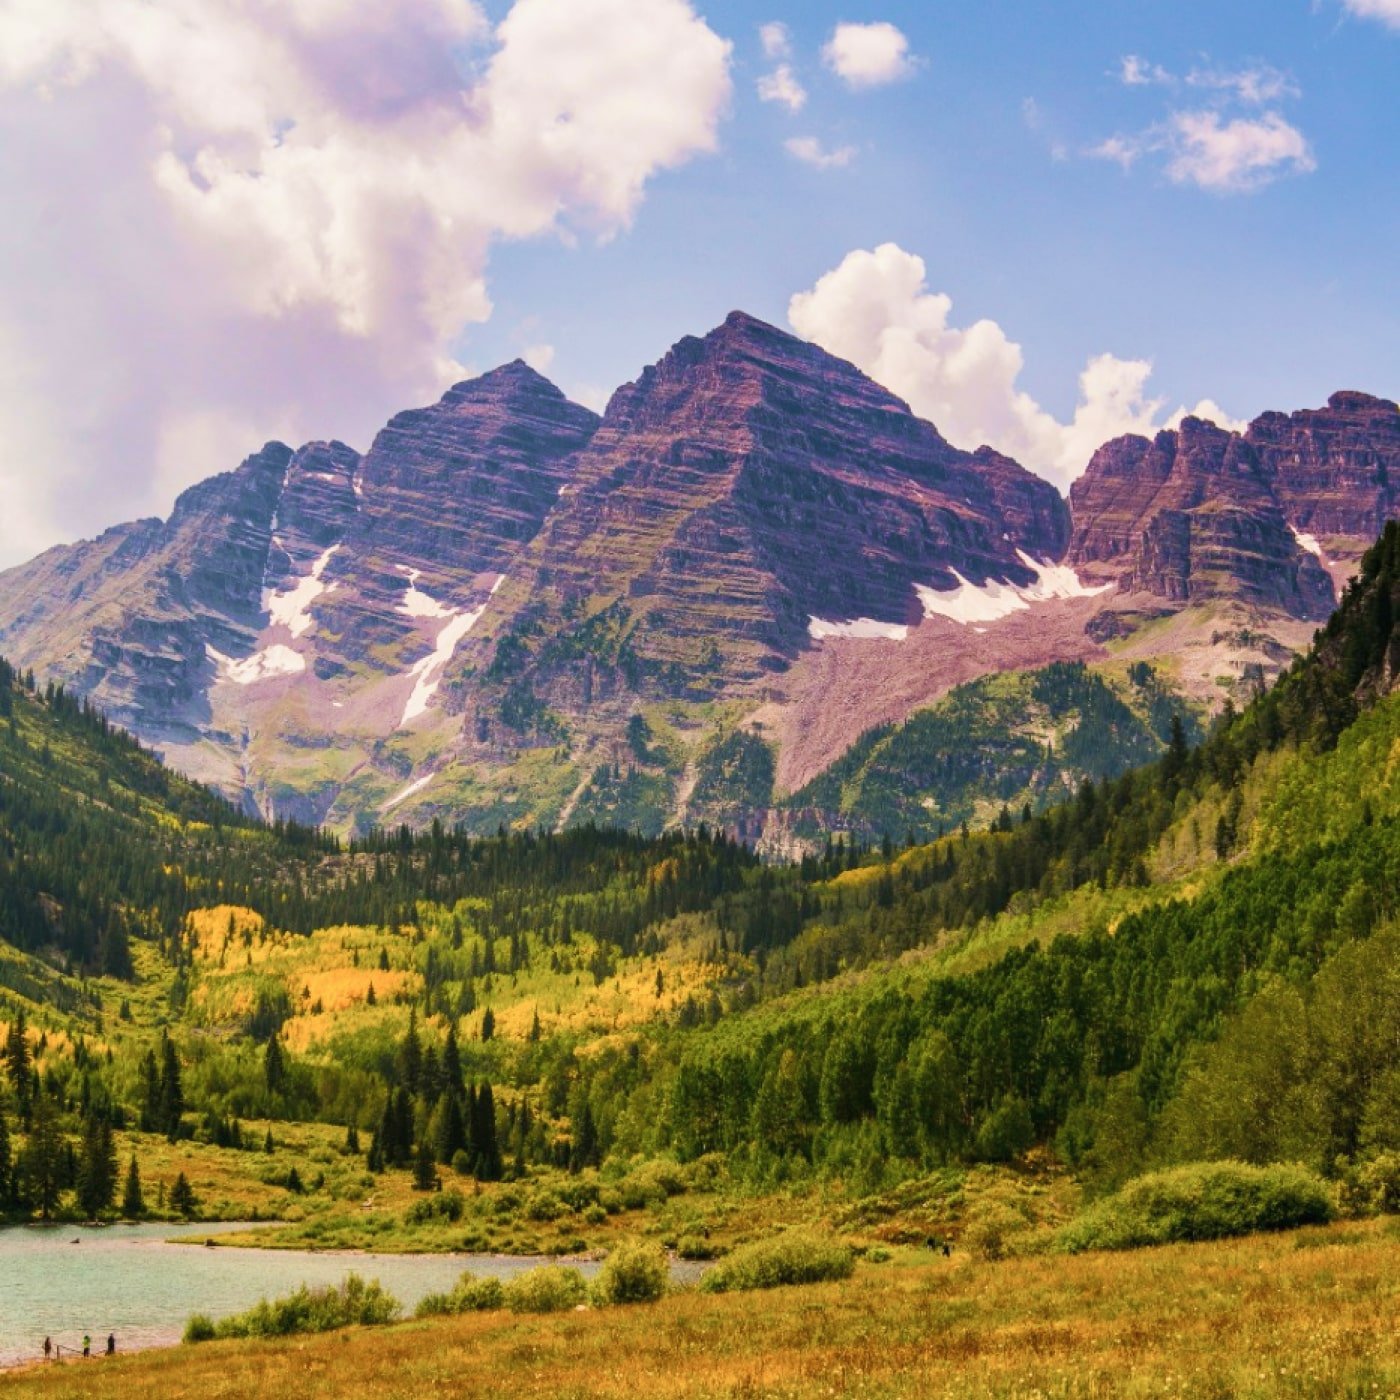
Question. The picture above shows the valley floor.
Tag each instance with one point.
(1307, 1314)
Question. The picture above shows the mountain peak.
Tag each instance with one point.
(511, 380)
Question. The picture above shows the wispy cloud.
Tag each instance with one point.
(782, 86)
(776, 39)
(810, 151)
(1236, 142)
(1387, 11)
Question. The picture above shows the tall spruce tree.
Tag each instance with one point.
(17, 1063)
(133, 1202)
(97, 1167)
(44, 1161)
(6, 1163)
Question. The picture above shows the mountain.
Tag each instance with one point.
(512, 611)
(1275, 517)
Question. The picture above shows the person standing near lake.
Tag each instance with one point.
(48, 1347)
(87, 1345)
(111, 1343)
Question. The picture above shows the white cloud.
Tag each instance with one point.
(876, 310)
(781, 85)
(227, 218)
(1387, 11)
(1200, 147)
(868, 55)
(538, 357)
(776, 39)
(1211, 411)
(1135, 71)
(810, 151)
(1232, 157)
(1255, 86)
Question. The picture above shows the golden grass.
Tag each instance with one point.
(1306, 1315)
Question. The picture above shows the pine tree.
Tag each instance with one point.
(182, 1197)
(133, 1203)
(488, 1152)
(274, 1065)
(97, 1167)
(6, 1161)
(17, 1063)
(450, 1137)
(424, 1170)
(172, 1094)
(43, 1161)
(451, 1063)
(488, 1024)
(585, 1151)
(411, 1055)
(352, 1140)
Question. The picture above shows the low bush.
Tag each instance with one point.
(544, 1206)
(354, 1303)
(652, 1184)
(551, 1288)
(468, 1294)
(696, 1247)
(635, 1272)
(791, 1258)
(1373, 1187)
(443, 1205)
(1204, 1201)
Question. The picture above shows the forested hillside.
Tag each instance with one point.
(1194, 960)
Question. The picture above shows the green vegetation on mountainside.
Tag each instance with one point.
(580, 1013)
(1014, 740)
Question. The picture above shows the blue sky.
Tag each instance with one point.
(1266, 299)
(234, 220)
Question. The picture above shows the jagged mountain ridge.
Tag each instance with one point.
(473, 619)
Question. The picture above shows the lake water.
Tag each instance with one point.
(129, 1280)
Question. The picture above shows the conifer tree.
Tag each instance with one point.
(44, 1158)
(97, 1167)
(182, 1197)
(451, 1063)
(450, 1137)
(352, 1140)
(411, 1055)
(133, 1202)
(172, 1094)
(424, 1169)
(17, 1063)
(6, 1161)
(488, 1024)
(487, 1149)
(274, 1065)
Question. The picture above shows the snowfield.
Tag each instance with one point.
(276, 660)
(291, 609)
(862, 627)
(970, 603)
(427, 672)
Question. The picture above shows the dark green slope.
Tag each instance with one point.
(1017, 739)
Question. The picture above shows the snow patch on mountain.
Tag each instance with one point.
(275, 660)
(865, 628)
(291, 609)
(970, 602)
(427, 672)
(416, 603)
(1308, 542)
(417, 785)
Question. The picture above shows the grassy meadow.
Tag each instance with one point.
(1307, 1314)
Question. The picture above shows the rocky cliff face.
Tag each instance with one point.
(749, 483)
(1200, 514)
(510, 610)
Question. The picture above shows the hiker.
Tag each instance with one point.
(111, 1343)
(87, 1345)
(48, 1348)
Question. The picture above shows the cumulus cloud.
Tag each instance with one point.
(1235, 156)
(876, 310)
(868, 55)
(810, 151)
(233, 218)
(781, 85)
(1136, 71)
(1387, 11)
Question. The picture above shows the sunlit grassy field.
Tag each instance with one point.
(1305, 1314)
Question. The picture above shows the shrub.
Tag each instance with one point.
(548, 1289)
(444, 1205)
(1373, 1187)
(544, 1206)
(468, 1295)
(791, 1258)
(595, 1214)
(651, 1184)
(200, 1329)
(354, 1303)
(695, 1247)
(990, 1230)
(635, 1272)
(1204, 1201)
(461, 1162)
